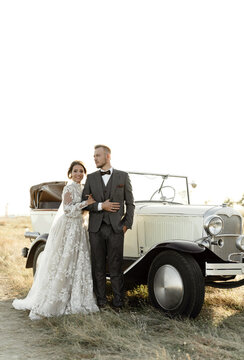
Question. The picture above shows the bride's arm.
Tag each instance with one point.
(70, 209)
(92, 206)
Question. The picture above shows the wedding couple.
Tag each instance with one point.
(70, 270)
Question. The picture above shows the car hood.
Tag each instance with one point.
(193, 210)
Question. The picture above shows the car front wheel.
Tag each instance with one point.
(176, 284)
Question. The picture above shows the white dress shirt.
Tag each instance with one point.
(105, 178)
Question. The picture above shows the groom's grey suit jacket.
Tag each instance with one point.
(120, 191)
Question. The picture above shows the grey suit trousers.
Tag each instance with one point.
(107, 244)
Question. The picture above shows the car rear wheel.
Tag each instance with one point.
(176, 284)
(37, 257)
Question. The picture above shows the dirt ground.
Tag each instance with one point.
(21, 338)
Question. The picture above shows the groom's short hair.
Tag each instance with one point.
(105, 148)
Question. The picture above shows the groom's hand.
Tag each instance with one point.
(110, 206)
(124, 229)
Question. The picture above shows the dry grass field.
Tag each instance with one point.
(138, 332)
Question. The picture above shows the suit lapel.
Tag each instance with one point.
(98, 185)
(115, 181)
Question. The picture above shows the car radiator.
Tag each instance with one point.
(232, 225)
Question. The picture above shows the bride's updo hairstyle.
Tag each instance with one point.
(76, 162)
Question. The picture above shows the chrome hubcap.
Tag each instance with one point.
(168, 287)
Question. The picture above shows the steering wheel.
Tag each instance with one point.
(162, 196)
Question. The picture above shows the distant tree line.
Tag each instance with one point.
(231, 202)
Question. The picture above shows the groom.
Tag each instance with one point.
(108, 222)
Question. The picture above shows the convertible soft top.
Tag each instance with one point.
(46, 195)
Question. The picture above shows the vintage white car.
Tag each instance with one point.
(175, 248)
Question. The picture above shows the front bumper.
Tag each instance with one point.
(31, 234)
(221, 269)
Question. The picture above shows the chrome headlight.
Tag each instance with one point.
(213, 224)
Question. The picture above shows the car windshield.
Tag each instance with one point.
(156, 187)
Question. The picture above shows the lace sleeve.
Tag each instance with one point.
(70, 208)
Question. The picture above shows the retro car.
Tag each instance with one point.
(175, 248)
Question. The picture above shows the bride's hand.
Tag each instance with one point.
(90, 200)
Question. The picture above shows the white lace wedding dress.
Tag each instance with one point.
(63, 281)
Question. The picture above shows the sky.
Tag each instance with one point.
(160, 82)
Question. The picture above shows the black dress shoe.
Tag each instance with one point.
(103, 306)
(117, 308)
(118, 302)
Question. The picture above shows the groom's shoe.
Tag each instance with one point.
(103, 305)
(118, 303)
(117, 308)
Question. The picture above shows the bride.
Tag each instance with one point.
(63, 281)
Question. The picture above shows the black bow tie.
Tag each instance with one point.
(105, 172)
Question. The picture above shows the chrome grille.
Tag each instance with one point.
(232, 225)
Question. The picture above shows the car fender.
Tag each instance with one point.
(137, 272)
(182, 245)
(41, 239)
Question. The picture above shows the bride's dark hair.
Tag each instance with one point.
(76, 162)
